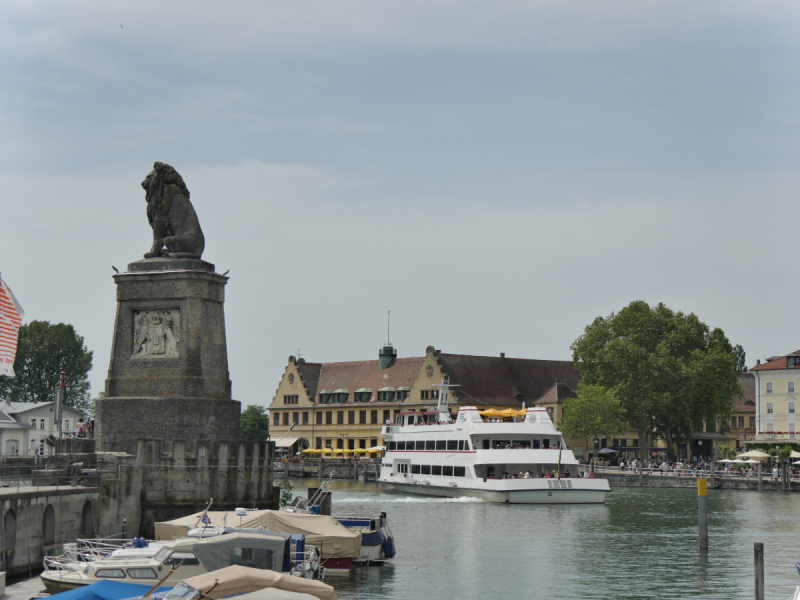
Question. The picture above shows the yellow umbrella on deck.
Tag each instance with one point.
(491, 412)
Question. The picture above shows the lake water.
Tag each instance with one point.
(642, 543)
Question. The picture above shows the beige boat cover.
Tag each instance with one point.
(326, 533)
(240, 580)
(178, 528)
(276, 594)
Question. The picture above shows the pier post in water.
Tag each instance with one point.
(758, 551)
(702, 506)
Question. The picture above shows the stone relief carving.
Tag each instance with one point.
(291, 377)
(156, 333)
(429, 370)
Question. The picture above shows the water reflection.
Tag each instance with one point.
(643, 543)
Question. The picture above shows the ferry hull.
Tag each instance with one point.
(535, 496)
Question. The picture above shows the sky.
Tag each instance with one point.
(495, 174)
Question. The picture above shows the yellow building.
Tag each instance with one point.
(344, 405)
(776, 399)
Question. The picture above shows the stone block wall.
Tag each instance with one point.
(176, 482)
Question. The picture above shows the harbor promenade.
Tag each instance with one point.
(687, 478)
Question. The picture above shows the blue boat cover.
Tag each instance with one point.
(109, 590)
(371, 538)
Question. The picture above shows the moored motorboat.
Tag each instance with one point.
(187, 557)
(525, 462)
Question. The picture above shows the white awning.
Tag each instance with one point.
(285, 442)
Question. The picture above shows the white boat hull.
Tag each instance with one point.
(585, 494)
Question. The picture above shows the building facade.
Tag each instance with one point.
(776, 382)
(29, 428)
(344, 405)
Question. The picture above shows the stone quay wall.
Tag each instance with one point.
(38, 519)
(177, 483)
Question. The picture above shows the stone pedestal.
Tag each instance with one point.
(168, 375)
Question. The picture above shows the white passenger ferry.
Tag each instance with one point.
(522, 462)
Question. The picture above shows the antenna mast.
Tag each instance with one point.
(388, 326)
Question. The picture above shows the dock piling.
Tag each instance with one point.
(702, 506)
(758, 551)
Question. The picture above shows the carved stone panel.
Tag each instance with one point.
(156, 333)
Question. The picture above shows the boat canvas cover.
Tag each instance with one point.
(107, 589)
(241, 580)
(178, 528)
(275, 594)
(263, 551)
(326, 533)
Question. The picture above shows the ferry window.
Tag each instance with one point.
(546, 443)
(402, 467)
(401, 445)
(420, 445)
(459, 471)
(110, 574)
(392, 445)
(460, 444)
(452, 444)
(486, 444)
(436, 470)
(426, 469)
(142, 574)
(441, 445)
(447, 471)
(430, 445)
(398, 419)
(415, 470)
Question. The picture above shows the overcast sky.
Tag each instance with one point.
(497, 174)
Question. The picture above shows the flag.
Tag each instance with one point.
(205, 519)
(11, 314)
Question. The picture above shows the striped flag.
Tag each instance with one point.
(11, 314)
(558, 472)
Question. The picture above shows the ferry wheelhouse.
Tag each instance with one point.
(524, 462)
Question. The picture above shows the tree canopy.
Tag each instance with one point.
(43, 351)
(254, 423)
(596, 412)
(670, 371)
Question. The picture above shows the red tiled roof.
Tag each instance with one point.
(367, 374)
(504, 381)
(781, 362)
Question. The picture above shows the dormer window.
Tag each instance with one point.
(386, 394)
(402, 393)
(362, 395)
(793, 361)
(325, 397)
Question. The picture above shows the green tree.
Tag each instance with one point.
(43, 351)
(741, 364)
(254, 423)
(596, 412)
(670, 372)
(286, 495)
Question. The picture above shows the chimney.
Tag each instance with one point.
(502, 355)
(385, 356)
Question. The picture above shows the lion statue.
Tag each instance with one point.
(176, 230)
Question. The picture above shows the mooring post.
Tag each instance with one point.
(124, 528)
(702, 507)
(713, 468)
(759, 476)
(758, 551)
